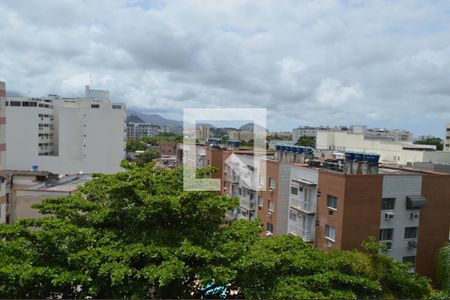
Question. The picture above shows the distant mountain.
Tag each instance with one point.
(155, 119)
(249, 127)
(134, 119)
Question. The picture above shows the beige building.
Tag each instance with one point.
(2, 153)
(26, 188)
(447, 138)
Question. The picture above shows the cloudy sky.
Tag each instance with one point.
(383, 63)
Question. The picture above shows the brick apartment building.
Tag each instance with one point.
(338, 204)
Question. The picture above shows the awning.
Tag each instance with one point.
(415, 201)
(303, 181)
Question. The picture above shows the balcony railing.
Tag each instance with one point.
(297, 230)
(302, 205)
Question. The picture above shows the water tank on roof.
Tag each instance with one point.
(277, 147)
(349, 155)
(372, 158)
(234, 143)
(34, 167)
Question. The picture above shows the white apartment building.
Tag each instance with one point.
(447, 138)
(391, 152)
(66, 135)
(140, 130)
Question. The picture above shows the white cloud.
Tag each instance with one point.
(386, 61)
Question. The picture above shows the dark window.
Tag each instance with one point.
(7, 103)
(332, 201)
(387, 203)
(25, 103)
(33, 104)
(117, 106)
(15, 103)
(410, 232)
(386, 234)
(95, 106)
(448, 129)
(270, 227)
(294, 190)
(409, 259)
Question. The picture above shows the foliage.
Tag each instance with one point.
(147, 157)
(431, 141)
(135, 145)
(443, 271)
(307, 141)
(137, 234)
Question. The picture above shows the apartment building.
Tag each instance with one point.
(139, 130)
(447, 137)
(66, 135)
(3, 201)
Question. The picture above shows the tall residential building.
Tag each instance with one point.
(139, 130)
(447, 138)
(203, 132)
(3, 203)
(66, 135)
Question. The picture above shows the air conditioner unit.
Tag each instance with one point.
(269, 213)
(271, 190)
(388, 216)
(412, 245)
(268, 233)
(413, 215)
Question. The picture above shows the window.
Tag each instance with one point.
(115, 106)
(270, 204)
(387, 203)
(270, 227)
(16, 103)
(260, 201)
(330, 232)
(271, 183)
(239, 191)
(292, 215)
(409, 259)
(332, 201)
(95, 106)
(244, 192)
(386, 234)
(25, 103)
(410, 232)
(261, 180)
(294, 190)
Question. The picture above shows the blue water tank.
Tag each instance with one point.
(277, 147)
(350, 155)
(214, 141)
(289, 148)
(309, 150)
(359, 156)
(282, 147)
(35, 167)
(372, 158)
(234, 143)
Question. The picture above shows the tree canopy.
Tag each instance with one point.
(307, 141)
(431, 141)
(147, 157)
(137, 234)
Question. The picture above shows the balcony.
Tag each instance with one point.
(297, 230)
(248, 204)
(303, 206)
(233, 178)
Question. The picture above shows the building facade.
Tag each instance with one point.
(66, 135)
(3, 200)
(447, 137)
(137, 131)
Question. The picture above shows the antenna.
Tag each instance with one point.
(90, 78)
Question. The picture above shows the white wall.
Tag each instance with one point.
(87, 139)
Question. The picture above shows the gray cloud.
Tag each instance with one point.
(379, 62)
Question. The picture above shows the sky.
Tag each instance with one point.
(382, 63)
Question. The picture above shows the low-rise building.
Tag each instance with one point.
(26, 188)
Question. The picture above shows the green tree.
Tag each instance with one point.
(137, 234)
(135, 145)
(307, 141)
(431, 141)
(444, 268)
(147, 157)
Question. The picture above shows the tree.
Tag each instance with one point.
(135, 145)
(444, 268)
(137, 234)
(431, 141)
(307, 141)
(147, 157)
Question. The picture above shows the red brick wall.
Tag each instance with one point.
(434, 222)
